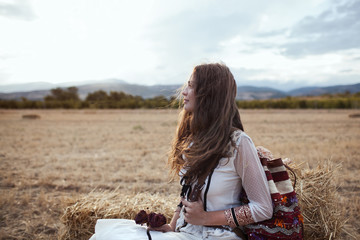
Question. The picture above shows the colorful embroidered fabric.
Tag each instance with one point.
(239, 216)
(287, 221)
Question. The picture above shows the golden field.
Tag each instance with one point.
(48, 162)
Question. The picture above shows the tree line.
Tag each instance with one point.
(69, 99)
(327, 101)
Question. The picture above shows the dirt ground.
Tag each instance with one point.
(65, 154)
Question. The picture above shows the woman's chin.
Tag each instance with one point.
(187, 109)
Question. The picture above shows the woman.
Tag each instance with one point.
(210, 144)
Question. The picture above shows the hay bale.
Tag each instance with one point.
(81, 216)
(319, 200)
(316, 189)
(354, 115)
(30, 116)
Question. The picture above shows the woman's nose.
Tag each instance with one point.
(185, 91)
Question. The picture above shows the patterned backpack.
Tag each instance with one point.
(287, 221)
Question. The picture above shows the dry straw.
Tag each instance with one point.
(323, 213)
(316, 189)
(30, 116)
(80, 218)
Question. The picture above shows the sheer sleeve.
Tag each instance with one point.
(254, 182)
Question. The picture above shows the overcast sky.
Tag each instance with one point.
(283, 44)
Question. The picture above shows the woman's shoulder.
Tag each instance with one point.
(238, 135)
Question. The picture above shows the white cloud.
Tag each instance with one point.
(159, 41)
(17, 9)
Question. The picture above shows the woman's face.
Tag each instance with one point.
(189, 95)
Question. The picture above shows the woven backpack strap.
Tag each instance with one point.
(278, 162)
(293, 173)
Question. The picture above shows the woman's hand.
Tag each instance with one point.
(163, 228)
(194, 212)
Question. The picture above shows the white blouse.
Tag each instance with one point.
(242, 170)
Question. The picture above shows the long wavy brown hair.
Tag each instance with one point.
(203, 135)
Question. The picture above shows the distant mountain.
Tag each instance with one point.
(244, 92)
(84, 90)
(133, 89)
(34, 86)
(251, 93)
(316, 91)
(26, 87)
(32, 95)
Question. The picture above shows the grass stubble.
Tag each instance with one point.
(110, 157)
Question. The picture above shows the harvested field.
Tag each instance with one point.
(51, 161)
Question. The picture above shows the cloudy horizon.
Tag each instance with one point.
(282, 44)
